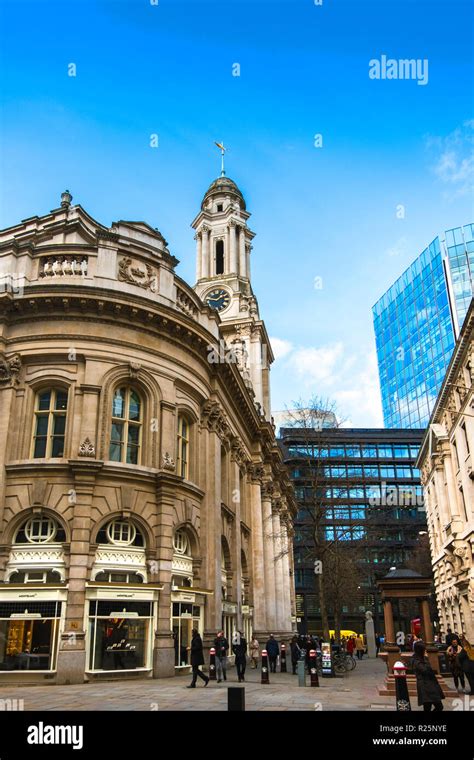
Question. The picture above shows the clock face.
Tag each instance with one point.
(218, 299)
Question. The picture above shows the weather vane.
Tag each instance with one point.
(222, 149)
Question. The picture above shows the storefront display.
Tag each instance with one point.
(120, 635)
(29, 635)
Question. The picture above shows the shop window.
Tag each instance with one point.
(126, 428)
(50, 423)
(120, 638)
(35, 576)
(29, 635)
(115, 576)
(184, 617)
(183, 447)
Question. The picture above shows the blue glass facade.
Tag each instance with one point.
(414, 336)
(460, 253)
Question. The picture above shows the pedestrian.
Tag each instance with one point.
(377, 644)
(359, 645)
(295, 653)
(450, 636)
(429, 691)
(273, 650)
(221, 646)
(197, 659)
(350, 645)
(254, 652)
(454, 665)
(239, 648)
(466, 661)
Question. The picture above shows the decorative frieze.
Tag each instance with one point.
(129, 271)
(186, 304)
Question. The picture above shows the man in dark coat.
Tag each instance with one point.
(197, 659)
(295, 653)
(428, 688)
(239, 648)
(273, 650)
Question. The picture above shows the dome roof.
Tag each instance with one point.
(224, 185)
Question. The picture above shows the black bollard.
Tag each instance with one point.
(313, 668)
(283, 658)
(212, 664)
(402, 698)
(236, 699)
(265, 678)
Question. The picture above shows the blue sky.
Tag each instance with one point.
(328, 212)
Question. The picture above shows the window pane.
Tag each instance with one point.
(116, 452)
(118, 403)
(61, 400)
(133, 434)
(132, 454)
(57, 449)
(117, 432)
(41, 424)
(40, 448)
(59, 424)
(44, 400)
(134, 406)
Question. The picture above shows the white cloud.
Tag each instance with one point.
(453, 159)
(348, 377)
(280, 347)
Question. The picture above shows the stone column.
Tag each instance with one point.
(279, 582)
(161, 572)
(453, 496)
(248, 248)
(269, 559)
(168, 441)
(287, 578)
(291, 559)
(236, 505)
(426, 621)
(87, 418)
(206, 263)
(258, 565)
(233, 248)
(72, 652)
(198, 239)
(389, 624)
(242, 255)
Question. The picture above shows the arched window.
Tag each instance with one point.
(181, 542)
(219, 257)
(182, 459)
(120, 533)
(126, 431)
(50, 423)
(40, 530)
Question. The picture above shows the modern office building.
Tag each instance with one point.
(360, 490)
(138, 461)
(416, 323)
(447, 473)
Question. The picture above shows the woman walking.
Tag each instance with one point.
(197, 659)
(429, 691)
(466, 661)
(254, 652)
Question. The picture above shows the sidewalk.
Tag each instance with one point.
(356, 691)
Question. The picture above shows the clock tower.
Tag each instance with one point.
(223, 282)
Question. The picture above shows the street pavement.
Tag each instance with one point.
(356, 691)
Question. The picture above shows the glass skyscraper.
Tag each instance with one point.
(416, 323)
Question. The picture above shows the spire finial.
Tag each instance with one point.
(222, 149)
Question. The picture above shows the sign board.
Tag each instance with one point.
(326, 657)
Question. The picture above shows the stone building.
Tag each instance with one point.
(447, 473)
(142, 490)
